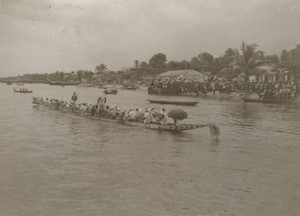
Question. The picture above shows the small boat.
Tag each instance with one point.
(20, 84)
(23, 91)
(130, 87)
(184, 103)
(110, 91)
(8, 83)
(267, 101)
(86, 85)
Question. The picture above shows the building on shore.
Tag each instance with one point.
(268, 73)
(184, 74)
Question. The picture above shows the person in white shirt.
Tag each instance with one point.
(131, 115)
(101, 102)
(147, 116)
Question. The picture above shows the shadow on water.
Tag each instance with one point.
(244, 111)
(182, 137)
(247, 111)
(73, 125)
(215, 142)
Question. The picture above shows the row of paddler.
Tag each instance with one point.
(150, 115)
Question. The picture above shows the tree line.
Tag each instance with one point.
(231, 64)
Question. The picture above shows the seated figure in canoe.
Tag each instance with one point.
(101, 109)
(151, 118)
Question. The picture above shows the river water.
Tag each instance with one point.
(58, 164)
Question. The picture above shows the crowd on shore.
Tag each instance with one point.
(275, 90)
(198, 85)
(266, 90)
(101, 109)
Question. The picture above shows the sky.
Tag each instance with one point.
(44, 36)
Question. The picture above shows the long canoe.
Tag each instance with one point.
(154, 126)
(266, 101)
(214, 129)
(186, 103)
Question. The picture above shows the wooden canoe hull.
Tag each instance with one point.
(184, 103)
(153, 126)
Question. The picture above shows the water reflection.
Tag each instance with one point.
(182, 137)
(215, 142)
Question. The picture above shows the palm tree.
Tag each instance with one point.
(284, 55)
(136, 64)
(246, 61)
(100, 69)
(79, 75)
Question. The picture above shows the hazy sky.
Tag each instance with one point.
(42, 36)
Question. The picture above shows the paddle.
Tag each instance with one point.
(214, 130)
(178, 114)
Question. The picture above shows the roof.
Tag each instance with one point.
(269, 69)
(266, 68)
(147, 78)
(175, 73)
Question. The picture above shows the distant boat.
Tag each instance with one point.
(8, 83)
(184, 103)
(86, 85)
(267, 101)
(20, 84)
(110, 91)
(130, 87)
(23, 91)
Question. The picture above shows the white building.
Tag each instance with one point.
(268, 73)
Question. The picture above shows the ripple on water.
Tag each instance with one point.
(59, 164)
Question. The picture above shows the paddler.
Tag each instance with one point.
(163, 116)
(74, 97)
(101, 102)
(147, 116)
(131, 115)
